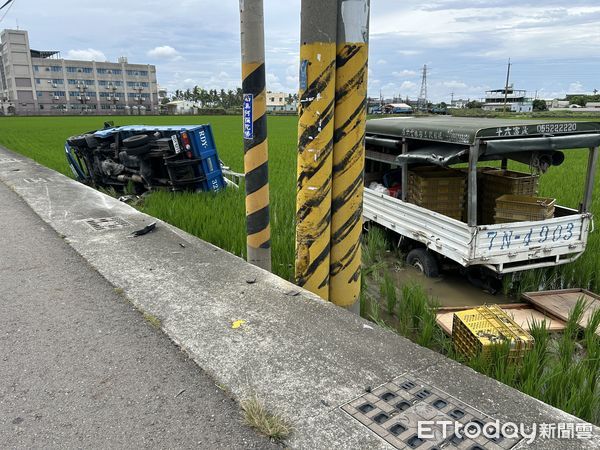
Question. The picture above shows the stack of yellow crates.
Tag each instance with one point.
(494, 183)
(521, 208)
(439, 190)
(474, 331)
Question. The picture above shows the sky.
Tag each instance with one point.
(554, 48)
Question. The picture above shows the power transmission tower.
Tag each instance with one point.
(422, 102)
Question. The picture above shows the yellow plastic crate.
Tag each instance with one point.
(475, 330)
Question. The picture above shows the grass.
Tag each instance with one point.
(560, 371)
(220, 219)
(256, 415)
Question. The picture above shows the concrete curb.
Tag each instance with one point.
(304, 357)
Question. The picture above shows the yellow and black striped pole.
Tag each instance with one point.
(349, 151)
(256, 155)
(315, 144)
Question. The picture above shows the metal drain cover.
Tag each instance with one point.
(107, 223)
(394, 410)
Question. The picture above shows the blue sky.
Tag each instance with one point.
(555, 48)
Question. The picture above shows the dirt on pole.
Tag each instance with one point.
(349, 151)
(256, 155)
(315, 144)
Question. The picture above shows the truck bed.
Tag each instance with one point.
(503, 248)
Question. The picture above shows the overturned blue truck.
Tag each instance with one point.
(143, 158)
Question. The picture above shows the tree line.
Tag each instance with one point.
(213, 98)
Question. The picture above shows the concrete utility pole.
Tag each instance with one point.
(256, 155)
(349, 151)
(315, 144)
(506, 86)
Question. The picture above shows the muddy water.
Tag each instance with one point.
(449, 289)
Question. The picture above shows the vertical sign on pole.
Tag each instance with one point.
(256, 154)
(349, 151)
(315, 144)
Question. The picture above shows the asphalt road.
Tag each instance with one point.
(80, 367)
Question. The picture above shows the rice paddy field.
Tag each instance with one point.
(562, 371)
(219, 219)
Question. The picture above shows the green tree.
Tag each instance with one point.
(540, 105)
(474, 104)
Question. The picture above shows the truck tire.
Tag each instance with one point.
(424, 261)
(136, 141)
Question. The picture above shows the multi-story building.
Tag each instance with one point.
(514, 100)
(41, 82)
(278, 101)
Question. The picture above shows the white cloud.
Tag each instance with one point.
(408, 52)
(576, 88)
(405, 73)
(408, 86)
(90, 55)
(455, 84)
(163, 52)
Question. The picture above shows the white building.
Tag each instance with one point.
(516, 100)
(41, 82)
(182, 107)
(278, 101)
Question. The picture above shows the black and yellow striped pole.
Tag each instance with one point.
(315, 144)
(349, 151)
(256, 155)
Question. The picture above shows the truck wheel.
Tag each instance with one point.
(136, 141)
(424, 261)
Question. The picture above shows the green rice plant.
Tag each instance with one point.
(388, 292)
(535, 361)
(375, 246)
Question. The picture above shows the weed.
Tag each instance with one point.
(256, 415)
(152, 320)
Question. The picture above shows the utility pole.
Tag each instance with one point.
(315, 144)
(256, 155)
(350, 119)
(422, 102)
(506, 86)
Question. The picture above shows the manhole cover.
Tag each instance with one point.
(107, 223)
(393, 412)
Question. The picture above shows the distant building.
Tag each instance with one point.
(593, 105)
(458, 104)
(516, 100)
(278, 101)
(162, 94)
(41, 82)
(397, 108)
(182, 107)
